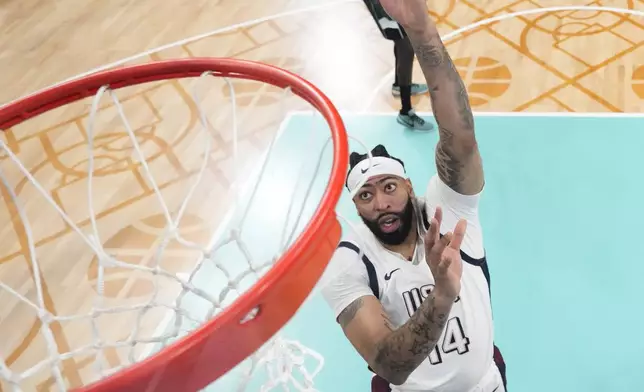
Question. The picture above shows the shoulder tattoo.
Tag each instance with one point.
(350, 311)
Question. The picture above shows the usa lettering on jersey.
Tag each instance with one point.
(455, 339)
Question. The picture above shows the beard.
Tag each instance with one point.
(397, 236)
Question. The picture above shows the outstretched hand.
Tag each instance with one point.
(411, 14)
(443, 255)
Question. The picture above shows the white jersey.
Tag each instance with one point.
(464, 352)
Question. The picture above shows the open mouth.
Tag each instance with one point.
(389, 223)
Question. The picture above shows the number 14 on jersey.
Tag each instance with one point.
(454, 341)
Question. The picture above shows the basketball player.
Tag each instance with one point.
(410, 288)
(404, 57)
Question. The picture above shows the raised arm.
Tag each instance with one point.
(458, 160)
(457, 156)
(394, 353)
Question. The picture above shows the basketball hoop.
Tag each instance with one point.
(239, 330)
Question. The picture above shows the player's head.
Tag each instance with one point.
(384, 202)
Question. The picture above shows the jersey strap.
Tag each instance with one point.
(371, 270)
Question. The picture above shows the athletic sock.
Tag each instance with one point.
(405, 99)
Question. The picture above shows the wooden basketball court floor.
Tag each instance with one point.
(515, 56)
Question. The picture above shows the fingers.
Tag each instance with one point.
(433, 233)
(438, 215)
(443, 265)
(444, 261)
(437, 248)
(459, 234)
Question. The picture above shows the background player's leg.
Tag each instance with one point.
(395, 89)
(404, 56)
(406, 68)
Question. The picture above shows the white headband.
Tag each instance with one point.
(379, 166)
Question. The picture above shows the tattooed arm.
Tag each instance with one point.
(394, 353)
(457, 156)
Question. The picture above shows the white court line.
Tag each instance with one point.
(187, 41)
(390, 76)
(489, 114)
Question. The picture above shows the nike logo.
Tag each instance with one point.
(388, 276)
(496, 388)
(365, 170)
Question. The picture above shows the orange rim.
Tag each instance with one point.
(211, 350)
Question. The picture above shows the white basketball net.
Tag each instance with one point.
(283, 359)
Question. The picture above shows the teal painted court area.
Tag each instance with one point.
(562, 214)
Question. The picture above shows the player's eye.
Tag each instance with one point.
(364, 195)
(390, 187)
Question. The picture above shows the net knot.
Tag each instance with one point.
(173, 230)
(104, 259)
(45, 316)
(235, 234)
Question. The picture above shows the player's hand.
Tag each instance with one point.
(413, 15)
(444, 255)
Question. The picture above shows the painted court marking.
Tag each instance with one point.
(188, 40)
(387, 77)
(447, 37)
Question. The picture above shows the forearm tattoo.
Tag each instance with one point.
(447, 92)
(449, 165)
(406, 347)
(442, 75)
(387, 322)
